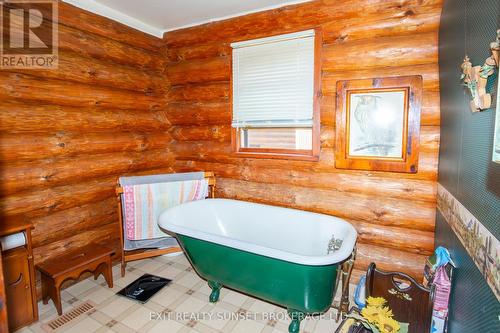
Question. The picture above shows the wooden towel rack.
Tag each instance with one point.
(131, 255)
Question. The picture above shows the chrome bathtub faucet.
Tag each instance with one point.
(334, 244)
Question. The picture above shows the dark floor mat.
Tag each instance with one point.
(144, 288)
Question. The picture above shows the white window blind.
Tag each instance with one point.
(273, 81)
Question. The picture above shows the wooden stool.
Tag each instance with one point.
(92, 258)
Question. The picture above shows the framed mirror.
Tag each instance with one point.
(378, 124)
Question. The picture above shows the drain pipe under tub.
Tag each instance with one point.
(345, 269)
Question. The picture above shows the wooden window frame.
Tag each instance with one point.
(291, 154)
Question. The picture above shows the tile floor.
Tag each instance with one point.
(181, 307)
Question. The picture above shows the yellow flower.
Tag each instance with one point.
(370, 313)
(387, 325)
(386, 312)
(373, 313)
(376, 301)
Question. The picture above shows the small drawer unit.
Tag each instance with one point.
(17, 279)
(18, 274)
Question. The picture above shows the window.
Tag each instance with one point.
(274, 96)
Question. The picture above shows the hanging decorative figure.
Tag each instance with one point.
(475, 78)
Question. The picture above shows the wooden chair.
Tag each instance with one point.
(132, 255)
(410, 302)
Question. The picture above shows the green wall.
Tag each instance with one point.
(465, 166)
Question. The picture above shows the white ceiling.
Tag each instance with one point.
(157, 16)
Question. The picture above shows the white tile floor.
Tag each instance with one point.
(187, 295)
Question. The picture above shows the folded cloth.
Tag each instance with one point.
(156, 243)
(145, 202)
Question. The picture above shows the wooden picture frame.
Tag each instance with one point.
(378, 124)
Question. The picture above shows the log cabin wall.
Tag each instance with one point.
(67, 134)
(393, 213)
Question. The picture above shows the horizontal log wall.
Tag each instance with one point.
(393, 213)
(68, 133)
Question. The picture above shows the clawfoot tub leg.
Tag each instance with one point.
(216, 286)
(297, 317)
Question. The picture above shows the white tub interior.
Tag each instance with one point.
(282, 233)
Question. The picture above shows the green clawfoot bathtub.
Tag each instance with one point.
(284, 256)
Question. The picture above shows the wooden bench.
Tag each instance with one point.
(92, 258)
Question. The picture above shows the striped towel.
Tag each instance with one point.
(145, 202)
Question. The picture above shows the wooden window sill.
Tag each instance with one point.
(273, 155)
